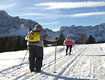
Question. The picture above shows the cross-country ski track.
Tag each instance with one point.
(87, 62)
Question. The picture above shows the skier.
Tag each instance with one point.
(35, 44)
(68, 42)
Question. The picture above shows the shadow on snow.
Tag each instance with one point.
(61, 77)
(94, 55)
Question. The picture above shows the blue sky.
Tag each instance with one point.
(56, 13)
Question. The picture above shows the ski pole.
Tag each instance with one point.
(74, 49)
(55, 59)
(23, 59)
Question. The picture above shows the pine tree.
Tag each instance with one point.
(12, 43)
(90, 40)
(61, 39)
(82, 38)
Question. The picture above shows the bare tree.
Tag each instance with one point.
(82, 38)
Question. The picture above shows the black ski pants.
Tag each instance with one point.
(68, 47)
(35, 57)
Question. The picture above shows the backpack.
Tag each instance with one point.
(33, 37)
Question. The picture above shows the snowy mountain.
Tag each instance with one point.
(10, 26)
(98, 31)
(87, 62)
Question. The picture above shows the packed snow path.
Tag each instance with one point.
(87, 62)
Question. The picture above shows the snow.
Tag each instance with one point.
(87, 62)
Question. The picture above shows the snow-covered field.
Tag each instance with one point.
(87, 62)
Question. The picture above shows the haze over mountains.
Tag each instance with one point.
(10, 26)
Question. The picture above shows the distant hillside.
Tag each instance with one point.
(98, 31)
(10, 26)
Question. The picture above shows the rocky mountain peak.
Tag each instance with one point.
(3, 14)
(10, 24)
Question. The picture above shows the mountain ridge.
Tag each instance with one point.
(10, 26)
(97, 31)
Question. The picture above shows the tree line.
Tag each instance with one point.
(12, 43)
(82, 39)
(15, 43)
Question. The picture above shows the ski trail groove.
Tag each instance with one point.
(14, 68)
(61, 72)
(44, 67)
(64, 66)
(67, 72)
(50, 67)
(58, 62)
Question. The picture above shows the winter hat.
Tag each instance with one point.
(68, 36)
(38, 26)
